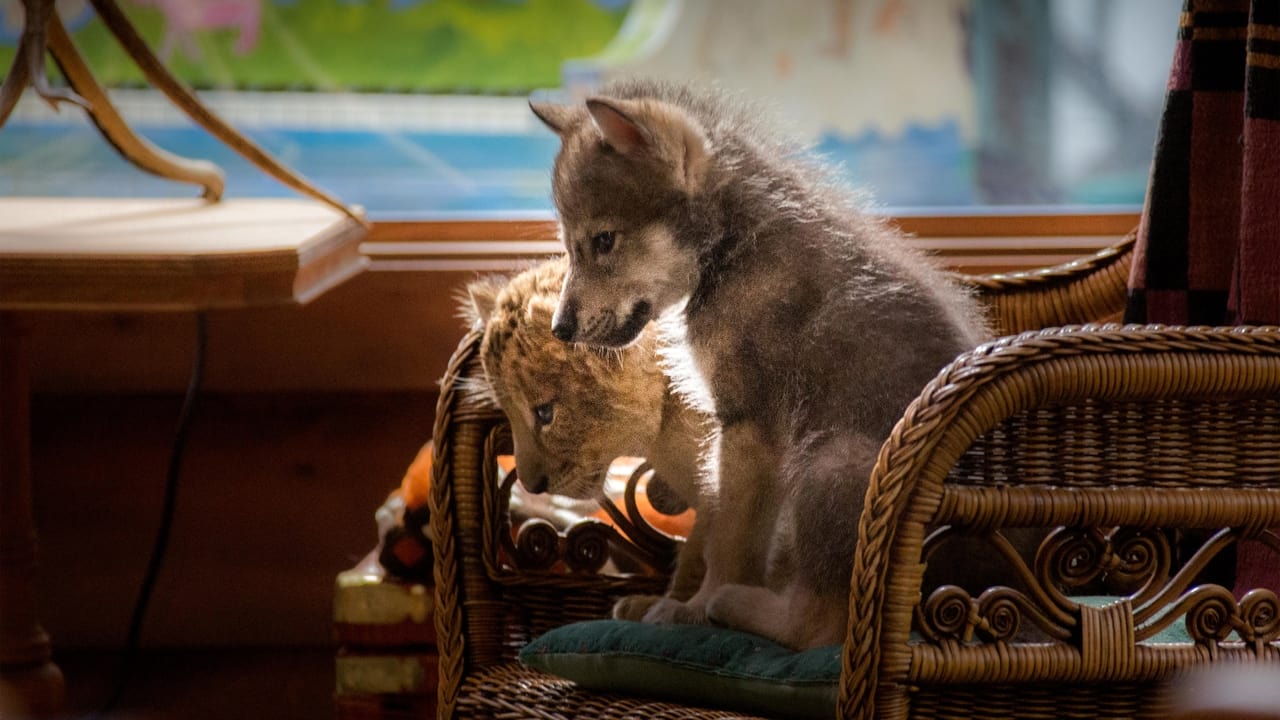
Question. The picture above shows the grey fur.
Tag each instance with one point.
(809, 323)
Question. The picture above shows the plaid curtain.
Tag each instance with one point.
(1208, 249)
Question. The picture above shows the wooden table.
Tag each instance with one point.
(127, 255)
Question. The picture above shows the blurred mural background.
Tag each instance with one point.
(417, 107)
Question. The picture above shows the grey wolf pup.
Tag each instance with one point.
(808, 327)
(574, 410)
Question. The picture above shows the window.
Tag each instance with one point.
(417, 108)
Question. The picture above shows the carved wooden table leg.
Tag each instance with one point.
(28, 62)
(30, 684)
(182, 97)
(44, 30)
(135, 148)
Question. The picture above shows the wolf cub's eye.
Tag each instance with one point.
(602, 243)
(544, 413)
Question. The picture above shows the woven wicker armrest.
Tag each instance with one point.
(1088, 289)
(1114, 436)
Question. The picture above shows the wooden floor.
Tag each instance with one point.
(221, 684)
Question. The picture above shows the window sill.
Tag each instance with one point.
(977, 243)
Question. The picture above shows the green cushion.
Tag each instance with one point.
(695, 664)
(711, 666)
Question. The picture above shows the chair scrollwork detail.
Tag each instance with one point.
(1073, 567)
(572, 536)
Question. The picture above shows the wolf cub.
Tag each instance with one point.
(805, 328)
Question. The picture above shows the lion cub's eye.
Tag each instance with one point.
(545, 413)
(602, 243)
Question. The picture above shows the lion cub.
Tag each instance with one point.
(574, 410)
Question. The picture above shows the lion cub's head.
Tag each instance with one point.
(573, 409)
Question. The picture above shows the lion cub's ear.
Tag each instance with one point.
(481, 299)
(659, 130)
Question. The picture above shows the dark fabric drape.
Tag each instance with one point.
(1209, 241)
(1208, 249)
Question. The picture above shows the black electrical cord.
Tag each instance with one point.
(161, 544)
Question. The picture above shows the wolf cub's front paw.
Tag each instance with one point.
(634, 607)
(673, 612)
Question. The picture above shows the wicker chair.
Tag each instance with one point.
(1109, 433)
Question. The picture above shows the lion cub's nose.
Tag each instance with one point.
(565, 325)
(536, 484)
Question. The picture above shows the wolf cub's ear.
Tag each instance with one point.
(480, 301)
(661, 130)
(556, 117)
(617, 126)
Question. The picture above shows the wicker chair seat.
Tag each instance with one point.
(1121, 442)
(510, 690)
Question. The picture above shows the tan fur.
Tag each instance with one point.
(608, 404)
(804, 324)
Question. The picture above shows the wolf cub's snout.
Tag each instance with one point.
(603, 329)
(564, 323)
